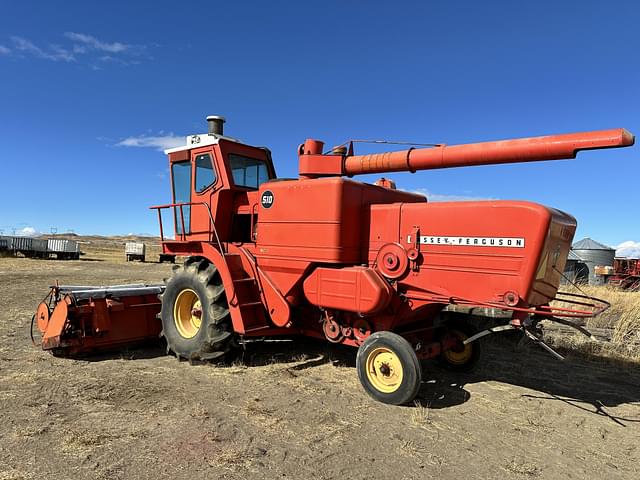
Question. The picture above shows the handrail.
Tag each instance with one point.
(214, 230)
(252, 232)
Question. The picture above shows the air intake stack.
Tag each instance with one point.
(216, 124)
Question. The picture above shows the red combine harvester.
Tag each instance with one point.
(329, 257)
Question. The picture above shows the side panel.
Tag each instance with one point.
(353, 289)
(475, 250)
(310, 220)
(322, 220)
(553, 259)
(56, 245)
(287, 276)
(134, 248)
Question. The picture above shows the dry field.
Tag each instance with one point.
(295, 409)
(620, 325)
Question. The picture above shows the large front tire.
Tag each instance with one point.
(195, 315)
(388, 368)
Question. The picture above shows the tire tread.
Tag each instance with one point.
(218, 333)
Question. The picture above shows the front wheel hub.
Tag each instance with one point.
(187, 313)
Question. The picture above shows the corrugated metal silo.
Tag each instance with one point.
(575, 270)
(594, 253)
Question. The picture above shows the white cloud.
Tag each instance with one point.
(160, 142)
(55, 53)
(27, 232)
(444, 197)
(628, 249)
(112, 59)
(92, 42)
(62, 53)
(76, 46)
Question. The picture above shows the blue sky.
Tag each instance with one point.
(90, 91)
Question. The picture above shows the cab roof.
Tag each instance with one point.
(200, 140)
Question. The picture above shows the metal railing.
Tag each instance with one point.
(212, 231)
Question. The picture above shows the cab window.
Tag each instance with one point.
(181, 175)
(248, 172)
(205, 174)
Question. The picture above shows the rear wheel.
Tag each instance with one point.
(195, 316)
(388, 368)
(460, 357)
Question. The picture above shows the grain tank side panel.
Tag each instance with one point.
(309, 220)
(473, 250)
(318, 220)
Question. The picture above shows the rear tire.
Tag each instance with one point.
(388, 368)
(461, 358)
(195, 315)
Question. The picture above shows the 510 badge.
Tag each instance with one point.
(266, 200)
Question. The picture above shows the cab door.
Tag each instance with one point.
(181, 183)
(205, 182)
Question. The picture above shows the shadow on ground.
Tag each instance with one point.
(586, 382)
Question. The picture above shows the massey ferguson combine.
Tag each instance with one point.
(326, 256)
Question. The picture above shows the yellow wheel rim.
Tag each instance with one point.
(384, 370)
(187, 313)
(460, 354)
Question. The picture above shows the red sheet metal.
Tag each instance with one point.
(73, 324)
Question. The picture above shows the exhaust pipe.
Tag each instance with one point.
(215, 123)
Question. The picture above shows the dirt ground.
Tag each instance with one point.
(295, 409)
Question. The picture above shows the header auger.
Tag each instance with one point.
(325, 256)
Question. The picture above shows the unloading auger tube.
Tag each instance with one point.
(342, 161)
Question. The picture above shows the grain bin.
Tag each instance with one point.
(594, 253)
(575, 270)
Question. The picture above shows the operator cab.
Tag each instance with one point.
(215, 181)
